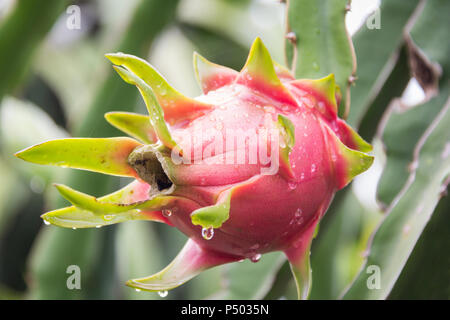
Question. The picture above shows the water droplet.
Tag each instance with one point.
(46, 222)
(74, 228)
(208, 233)
(99, 226)
(166, 213)
(302, 176)
(255, 258)
(163, 294)
(242, 260)
(138, 290)
(298, 216)
(292, 185)
(313, 168)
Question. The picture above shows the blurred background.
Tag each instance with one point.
(55, 82)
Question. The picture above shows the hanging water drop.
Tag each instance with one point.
(163, 294)
(166, 213)
(292, 185)
(255, 258)
(298, 216)
(208, 233)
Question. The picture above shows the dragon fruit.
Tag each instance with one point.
(247, 168)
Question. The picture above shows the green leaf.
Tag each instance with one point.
(287, 133)
(136, 125)
(153, 106)
(214, 216)
(403, 128)
(426, 275)
(375, 61)
(176, 106)
(319, 42)
(211, 76)
(393, 87)
(105, 155)
(117, 207)
(399, 232)
(259, 73)
(191, 260)
(336, 253)
(18, 44)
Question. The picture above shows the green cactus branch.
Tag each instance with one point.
(20, 34)
(317, 43)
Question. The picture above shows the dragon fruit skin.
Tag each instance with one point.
(229, 211)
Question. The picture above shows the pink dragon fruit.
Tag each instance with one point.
(247, 168)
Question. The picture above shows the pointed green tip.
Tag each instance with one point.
(124, 74)
(129, 283)
(115, 58)
(25, 154)
(18, 154)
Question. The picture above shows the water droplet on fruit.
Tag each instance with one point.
(166, 213)
(163, 294)
(292, 185)
(208, 233)
(255, 258)
(298, 216)
(46, 222)
(313, 168)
